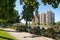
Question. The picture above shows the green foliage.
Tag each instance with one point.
(29, 7)
(58, 23)
(36, 23)
(36, 30)
(58, 38)
(6, 9)
(50, 32)
(15, 19)
(27, 13)
(21, 28)
(7, 12)
(54, 3)
(33, 3)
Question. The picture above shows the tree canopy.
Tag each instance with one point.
(7, 11)
(54, 3)
(29, 7)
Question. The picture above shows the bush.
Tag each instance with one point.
(28, 28)
(50, 32)
(58, 38)
(37, 31)
(21, 28)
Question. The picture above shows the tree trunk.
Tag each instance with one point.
(26, 23)
(29, 23)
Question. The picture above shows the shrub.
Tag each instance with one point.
(20, 28)
(50, 33)
(37, 31)
(28, 29)
(58, 38)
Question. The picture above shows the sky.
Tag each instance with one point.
(42, 8)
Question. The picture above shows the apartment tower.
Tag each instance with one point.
(43, 18)
(50, 18)
(47, 18)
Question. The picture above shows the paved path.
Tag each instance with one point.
(24, 35)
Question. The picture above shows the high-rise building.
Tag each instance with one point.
(47, 18)
(42, 18)
(50, 18)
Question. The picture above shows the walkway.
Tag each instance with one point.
(24, 35)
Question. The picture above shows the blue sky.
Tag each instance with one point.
(42, 8)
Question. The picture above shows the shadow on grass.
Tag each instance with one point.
(6, 38)
(1, 30)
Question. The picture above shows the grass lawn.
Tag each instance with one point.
(5, 36)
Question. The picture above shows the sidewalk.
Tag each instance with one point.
(24, 35)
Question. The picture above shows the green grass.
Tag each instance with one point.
(5, 36)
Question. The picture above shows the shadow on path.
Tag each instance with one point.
(33, 36)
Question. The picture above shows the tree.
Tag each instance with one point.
(27, 14)
(29, 7)
(16, 18)
(7, 11)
